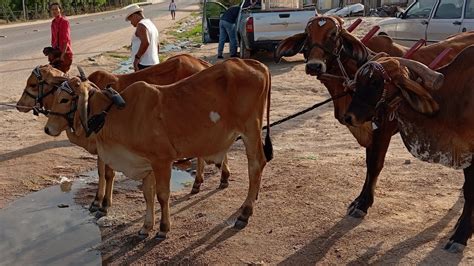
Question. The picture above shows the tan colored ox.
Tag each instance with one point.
(435, 119)
(170, 71)
(200, 116)
(324, 42)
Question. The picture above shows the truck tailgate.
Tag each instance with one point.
(277, 25)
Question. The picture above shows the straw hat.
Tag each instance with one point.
(132, 9)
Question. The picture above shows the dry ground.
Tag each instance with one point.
(318, 169)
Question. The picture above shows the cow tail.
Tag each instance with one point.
(268, 147)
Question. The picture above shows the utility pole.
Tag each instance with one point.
(24, 10)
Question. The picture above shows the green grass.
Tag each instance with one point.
(162, 57)
(194, 34)
(119, 56)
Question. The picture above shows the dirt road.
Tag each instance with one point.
(299, 219)
(29, 160)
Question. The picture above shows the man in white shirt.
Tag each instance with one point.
(145, 44)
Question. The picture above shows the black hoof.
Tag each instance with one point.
(160, 236)
(142, 235)
(100, 214)
(239, 224)
(195, 190)
(454, 247)
(93, 208)
(223, 185)
(356, 213)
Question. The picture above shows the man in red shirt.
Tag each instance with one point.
(60, 38)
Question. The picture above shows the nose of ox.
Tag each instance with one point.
(314, 68)
(349, 119)
(46, 130)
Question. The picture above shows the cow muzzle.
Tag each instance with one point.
(50, 131)
(350, 119)
(315, 67)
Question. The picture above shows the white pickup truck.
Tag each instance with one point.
(432, 20)
(261, 27)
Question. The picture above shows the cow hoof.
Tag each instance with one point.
(195, 190)
(356, 213)
(143, 233)
(223, 185)
(161, 236)
(93, 208)
(453, 247)
(239, 224)
(100, 214)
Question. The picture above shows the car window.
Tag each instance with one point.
(420, 9)
(449, 9)
(469, 10)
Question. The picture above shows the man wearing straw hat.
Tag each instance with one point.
(145, 43)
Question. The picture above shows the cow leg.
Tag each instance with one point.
(256, 162)
(199, 176)
(225, 173)
(463, 231)
(375, 158)
(99, 196)
(162, 179)
(149, 194)
(109, 187)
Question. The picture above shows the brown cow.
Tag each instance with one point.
(200, 116)
(426, 54)
(324, 43)
(45, 80)
(435, 120)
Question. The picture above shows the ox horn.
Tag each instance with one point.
(82, 73)
(431, 79)
(82, 106)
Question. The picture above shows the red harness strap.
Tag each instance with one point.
(414, 48)
(369, 35)
(354, 25)
(441, 56)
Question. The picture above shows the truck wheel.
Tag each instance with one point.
(244, 52)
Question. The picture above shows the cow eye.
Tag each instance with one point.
(64, 101)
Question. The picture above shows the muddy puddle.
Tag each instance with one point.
(48, 228)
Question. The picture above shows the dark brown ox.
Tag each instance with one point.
(44, 81)
(435, 119)
(200, 116)
(324, 42)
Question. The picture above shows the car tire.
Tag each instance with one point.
(244, 52)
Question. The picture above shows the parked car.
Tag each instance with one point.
(261, 27)
(350, 10)
(432, 20)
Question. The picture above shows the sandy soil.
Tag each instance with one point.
(29, 160)
(318, 169)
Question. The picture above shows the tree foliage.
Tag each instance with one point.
(11, 9)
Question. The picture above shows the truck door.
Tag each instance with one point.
(446, 20)
(210, 21)
(468, 21)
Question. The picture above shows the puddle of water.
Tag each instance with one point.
(180, 179)
(125, 67)
(34, 230)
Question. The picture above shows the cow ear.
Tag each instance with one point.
(82, 90)
(353, 47)
(290, 46)
(417, 96)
